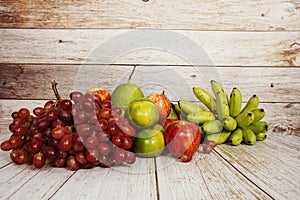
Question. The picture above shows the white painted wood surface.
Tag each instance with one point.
(213, 48)
(253, 45)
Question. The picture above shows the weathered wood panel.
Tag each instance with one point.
(208, 48)
(271, 15)
(272, 166)
(205, 177)
(19, 81)
(25, 182)
(136, 181)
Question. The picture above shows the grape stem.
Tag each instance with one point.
(54, 88)
(129, 78)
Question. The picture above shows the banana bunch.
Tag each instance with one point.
(225, 121)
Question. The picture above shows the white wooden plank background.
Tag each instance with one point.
(271, 15)
(225, 48)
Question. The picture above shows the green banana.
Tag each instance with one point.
(261, 136)
(230, 123)
(259, 127)
(216, 87)
(251, 104)
(248, 136)
(219, 138)
(206, 98)
(235, 102)
(173, 114)
(236, 137)
(244, 119)
(201, 117)
(189, 107)
(222, 106)
(258, 113)
(176, 108)
(213, 126)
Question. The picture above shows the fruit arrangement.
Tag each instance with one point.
(225, 121)
(98, 128)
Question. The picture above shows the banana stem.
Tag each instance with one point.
(54, 88)
(129, 78)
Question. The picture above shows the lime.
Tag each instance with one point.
(149, 142)
(143, 113)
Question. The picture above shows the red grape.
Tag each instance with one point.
(15, 141)
(81, 159)
(59, 132)
(38, 111)
(39, 160)
(23, 113)
(72, 163)
(76, 96)
(104, 148)
(6, 146)
(50, 153)
(65, 143)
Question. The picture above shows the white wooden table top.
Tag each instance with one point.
(254, 45)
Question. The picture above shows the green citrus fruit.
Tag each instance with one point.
(149, 142)
(125, 93)
(143, 113)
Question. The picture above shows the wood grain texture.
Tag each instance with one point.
(208, 48)
(271, 15)
(136, 181)
(26, 182)
(23, 81)
(272, 166)
(205, 177)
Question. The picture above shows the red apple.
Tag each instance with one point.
(102, 93)
(163, 104)
(168, 122)
(182, 139)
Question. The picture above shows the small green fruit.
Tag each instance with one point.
(149, 142)
(143, 113)
(125, 93)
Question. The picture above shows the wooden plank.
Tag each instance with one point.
(272, 166)
(23, 81)
(205, 15)
(208, 48)
(136, 181)
(25, 182)
(205, 177)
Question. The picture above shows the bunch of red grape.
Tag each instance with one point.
(80, 132)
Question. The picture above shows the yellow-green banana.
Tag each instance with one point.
(235, 102)
(189, 107)
(259, 127)
(219, 138)
(176, 108)
(252, 104)
(230, 123)
(244, 119)
(201, 117)
(216, 87)
(206, 98)
(248, 136)
(236, 137)
(222, 106)
(213, 126)
(261, 136)
(258, 113)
